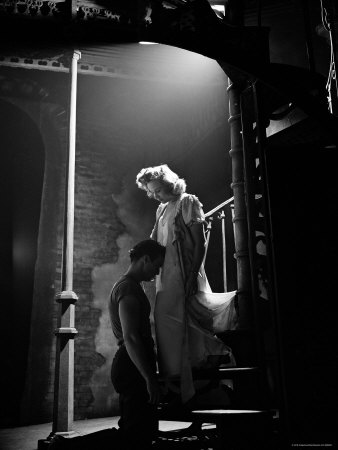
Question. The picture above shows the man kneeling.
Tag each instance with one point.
(133, 370)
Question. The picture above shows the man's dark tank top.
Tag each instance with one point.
(124, 287)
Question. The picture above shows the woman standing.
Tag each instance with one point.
(182, 344)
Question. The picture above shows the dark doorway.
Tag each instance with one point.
(21, 181)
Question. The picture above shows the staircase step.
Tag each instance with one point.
(219, 373)
(173, 409)
(228, 414)
(239, 428)
(224, 373)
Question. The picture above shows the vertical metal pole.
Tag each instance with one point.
(65, 332)
(63, 410)
(239, 219)
(68, 243)
(224, 253)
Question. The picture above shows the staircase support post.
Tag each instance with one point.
(239, 212)
(63, 410)
(64, 373)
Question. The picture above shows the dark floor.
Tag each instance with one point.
(26, 438)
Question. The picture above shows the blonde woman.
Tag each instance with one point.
(182, 343)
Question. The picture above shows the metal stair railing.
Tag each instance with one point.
(217, 208)
(221, 216)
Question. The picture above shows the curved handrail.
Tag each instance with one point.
(212, 211)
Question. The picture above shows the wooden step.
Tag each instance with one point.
(239, 428)
(224, 415)
(241, 377)
(219, 373)
(224, 373)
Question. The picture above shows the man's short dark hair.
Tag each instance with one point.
(147, 247)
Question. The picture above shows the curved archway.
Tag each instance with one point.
(21, 192)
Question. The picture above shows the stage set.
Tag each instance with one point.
(240, 99)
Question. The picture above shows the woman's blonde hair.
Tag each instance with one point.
(164, 175)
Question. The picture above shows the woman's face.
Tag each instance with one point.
(159, 191)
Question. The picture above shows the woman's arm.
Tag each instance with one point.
(197, 234)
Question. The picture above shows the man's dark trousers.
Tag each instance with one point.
(139, 419)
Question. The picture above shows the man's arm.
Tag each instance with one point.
(129, 311)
